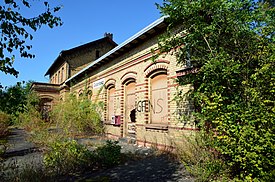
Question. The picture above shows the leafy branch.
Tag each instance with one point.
(15, 29)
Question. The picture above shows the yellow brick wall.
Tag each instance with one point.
(136, 63)
(56, 78)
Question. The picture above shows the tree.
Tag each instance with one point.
(15, 29)
(231, 43)
(14, 99)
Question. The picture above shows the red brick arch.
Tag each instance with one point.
(159, 65)
(110, 82)
(130, 75)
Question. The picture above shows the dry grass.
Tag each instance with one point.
(4, 124)
(200, 159)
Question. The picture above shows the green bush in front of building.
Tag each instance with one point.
(78, 115)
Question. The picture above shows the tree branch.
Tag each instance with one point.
(208, 45)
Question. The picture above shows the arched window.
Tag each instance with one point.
(55, 79)
(130, 102)
(89, 93)
(111, 102)
(62, 74)
(58, 79)
(80, 93)
(159, 98)
(97, 54)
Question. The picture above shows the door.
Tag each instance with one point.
(111, 103)
(129, 127)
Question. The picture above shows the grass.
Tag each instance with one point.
(200, 159)
(4, 124)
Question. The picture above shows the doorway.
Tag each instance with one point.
(130, 112)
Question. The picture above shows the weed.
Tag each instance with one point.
(109, 154)
(76, 116)
(67, 156)
(4, 123)
(200, 159)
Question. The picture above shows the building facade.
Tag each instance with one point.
(138, 92)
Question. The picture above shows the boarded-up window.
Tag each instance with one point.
(130, 114)
(62, 74)
(130, 102)
(55, 79)
(111, 103)
(58, 80)
(159, 101)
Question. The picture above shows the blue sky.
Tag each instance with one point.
(84, 21)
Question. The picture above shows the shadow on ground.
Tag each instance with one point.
(152, 168)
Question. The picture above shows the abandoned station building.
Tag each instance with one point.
(138, 93)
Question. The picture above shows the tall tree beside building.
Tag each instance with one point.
(13, 100)
(15, 29)
(232, 45)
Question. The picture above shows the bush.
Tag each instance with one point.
(109, 154)
(38, 136)
(67, 156)
(30, 118)
(200, 158)
(78, 115)
(4, 123)
(230, 45)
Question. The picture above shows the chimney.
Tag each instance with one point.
(110, 35)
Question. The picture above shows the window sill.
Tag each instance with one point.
(111, 124)
(162, 127)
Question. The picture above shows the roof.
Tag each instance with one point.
(63, 53)
(45, 87)
(124, 47)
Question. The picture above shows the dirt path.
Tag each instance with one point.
(154, 168)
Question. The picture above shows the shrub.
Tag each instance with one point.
(230, 45)
(30, 118)
(67, 156)
(109, 154)
(78, 115)
(4, 123)
(38, 136)
(200, 158)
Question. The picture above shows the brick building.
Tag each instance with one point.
(138, 93)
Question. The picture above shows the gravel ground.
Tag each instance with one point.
(154, 168)
(148, 167)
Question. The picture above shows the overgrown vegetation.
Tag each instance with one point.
(109, 154)
(78, 115)
(200, 159)
(230, 46)
(67, 156)
(4, 123)
(30, 118)
(63, 155)
(14, 97)
(65, 160)
(16, 104)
